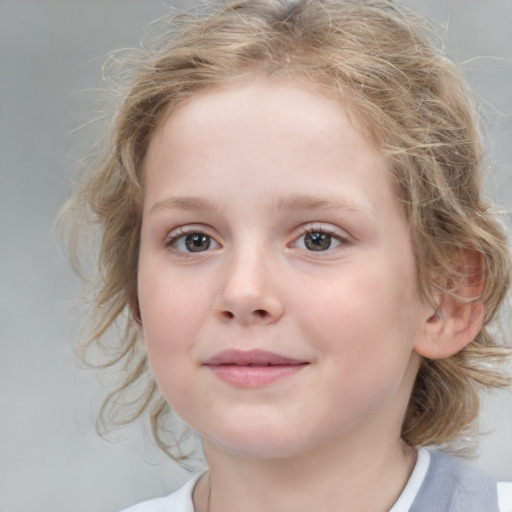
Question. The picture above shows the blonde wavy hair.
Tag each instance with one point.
(408, 99)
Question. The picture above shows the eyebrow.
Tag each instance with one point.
(185, 203)
(314, 202)
(291, 203)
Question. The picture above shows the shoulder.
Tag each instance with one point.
(453, 485)
(452, 467)
(155, 505)
(178, 501)
(505, 496)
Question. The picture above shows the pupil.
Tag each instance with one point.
(197, 242)
(317, 241)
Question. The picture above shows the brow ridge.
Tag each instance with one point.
(187, 203)
(292, 203)
(314, 202)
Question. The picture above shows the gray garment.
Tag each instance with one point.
(452, 486)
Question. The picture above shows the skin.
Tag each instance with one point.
(265, 163)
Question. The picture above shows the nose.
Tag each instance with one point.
(249, 291)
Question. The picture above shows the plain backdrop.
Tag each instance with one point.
(51, 53)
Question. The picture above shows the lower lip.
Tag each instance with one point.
(254, 376)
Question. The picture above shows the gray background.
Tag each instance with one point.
(51, 53)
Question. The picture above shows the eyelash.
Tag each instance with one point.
(307, 230)
(182, 233)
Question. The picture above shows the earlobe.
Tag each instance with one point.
(459, 314)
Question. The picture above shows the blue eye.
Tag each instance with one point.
(193, 242)
(318, 240)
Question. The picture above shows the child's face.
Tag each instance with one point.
(270, 224)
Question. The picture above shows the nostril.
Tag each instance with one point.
(225, 315)
(261, 313)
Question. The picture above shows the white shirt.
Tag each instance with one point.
(181, 500)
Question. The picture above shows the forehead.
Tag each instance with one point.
(297, 108)
(271, 136)
(269, 98)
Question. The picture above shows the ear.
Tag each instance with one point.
(459, 315)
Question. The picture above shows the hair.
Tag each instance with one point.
(410, 101)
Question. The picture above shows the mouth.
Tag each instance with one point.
(252, 369)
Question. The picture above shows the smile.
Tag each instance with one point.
(252, 369)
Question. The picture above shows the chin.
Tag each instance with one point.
(260, 443)
(260, 451)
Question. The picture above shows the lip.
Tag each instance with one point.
(253, 368)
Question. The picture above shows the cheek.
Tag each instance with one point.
(168, 303)
(168, 314)
(366, 342)
(167, 329)
(364, 320)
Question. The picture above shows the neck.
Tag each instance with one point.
(335, 477)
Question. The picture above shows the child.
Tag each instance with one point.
(292, 226)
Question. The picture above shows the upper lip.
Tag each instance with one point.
(251, 358)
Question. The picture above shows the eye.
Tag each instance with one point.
(193, 242)
(319, 240)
